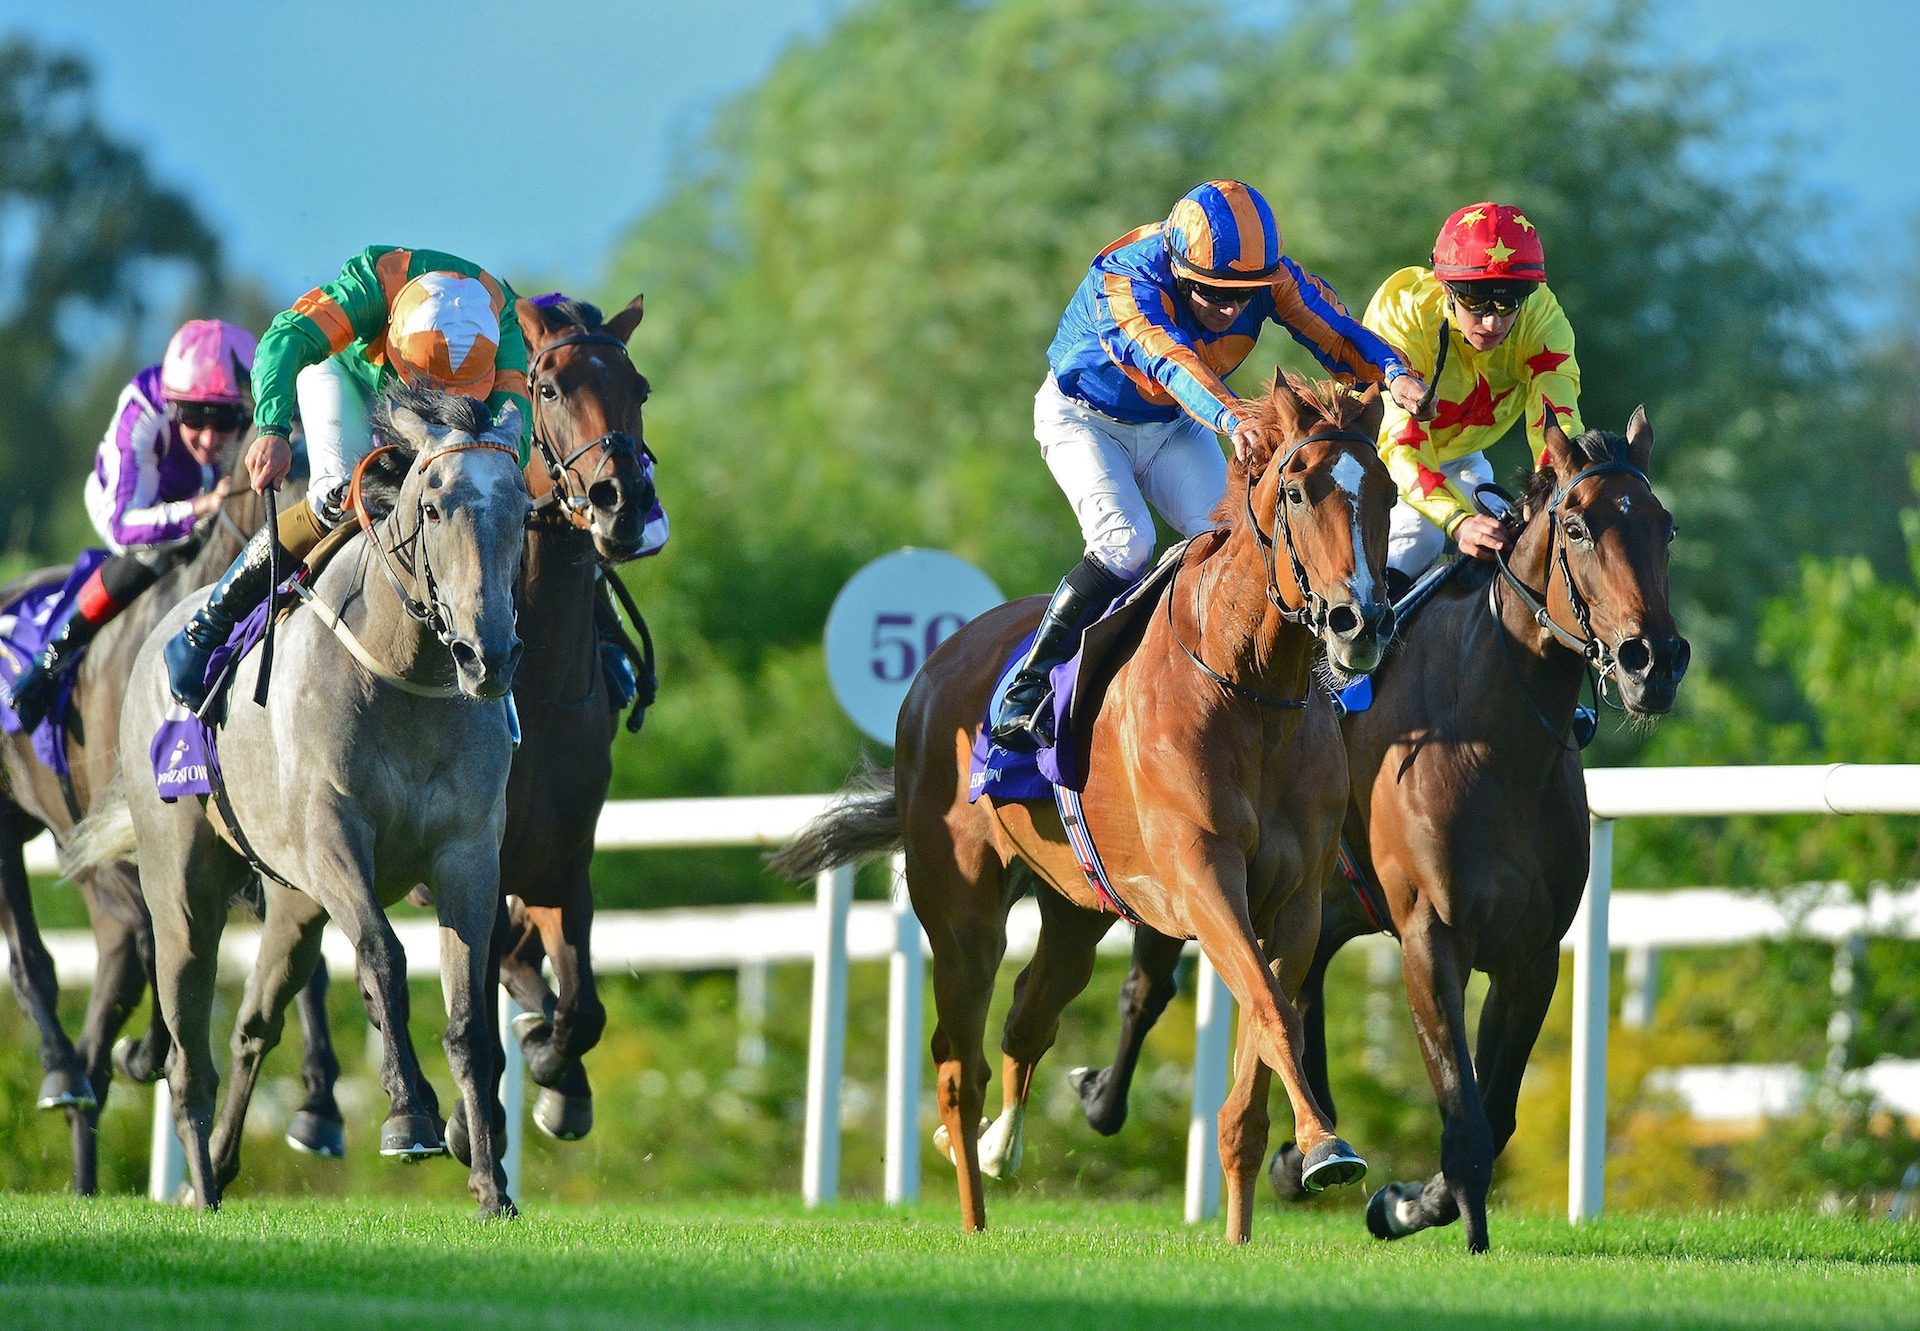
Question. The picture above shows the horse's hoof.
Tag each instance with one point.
(504, 1209)
(565, 1118)
(1105, 1115)
(943, 1141)
(528, 1026)
(317, 1134)
(459, 1145)
(412, 1138)
(1383, 1211)
(66, 1090)
(123, 1061)
(1331, 1164)
(1283, 1171)
(1002, 1146)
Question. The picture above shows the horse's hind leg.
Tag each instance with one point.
(1061, 966)
(1148, 989)
(1436, 979)
(317, 1127)
(123, 949)
(34, 982)
(289, 951)
(965, 921)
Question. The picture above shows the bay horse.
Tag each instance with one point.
(32, 797)
(378, 762)
(1469, 808)
(1215, 789)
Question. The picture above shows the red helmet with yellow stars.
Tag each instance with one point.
(1489, 242)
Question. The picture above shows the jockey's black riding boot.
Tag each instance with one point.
(242, 587)
(32, 695)
(1082, 595)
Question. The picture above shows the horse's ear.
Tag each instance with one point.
(1559, 447)
(531, 325)
(411, 426)
(622, 324)
(1639, 438)
(505, 429)
(1373, 410)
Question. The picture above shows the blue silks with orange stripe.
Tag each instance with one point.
(1127, 348)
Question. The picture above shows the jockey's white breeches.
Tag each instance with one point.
(1413, 543)
(333, 412)
(1111, 470)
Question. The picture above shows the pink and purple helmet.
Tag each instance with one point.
(209, 360)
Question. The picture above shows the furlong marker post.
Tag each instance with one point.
(827, 1042)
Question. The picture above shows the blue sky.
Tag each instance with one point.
(308, 130)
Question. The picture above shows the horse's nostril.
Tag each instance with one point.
(1635, 656)
(465, 658)
(1682, 657)
(1344, 620)
(604, 495)
(1385, 622)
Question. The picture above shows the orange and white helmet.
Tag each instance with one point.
(443, 331)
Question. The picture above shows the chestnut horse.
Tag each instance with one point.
(1469, 810)
(1215, 792)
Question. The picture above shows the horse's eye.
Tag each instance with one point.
(1577, 530)
(1295, 495)
(1672, 531)
(548, 392)
(432, 512)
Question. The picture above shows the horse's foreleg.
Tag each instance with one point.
(1243, 1127)
(1149, 987)
(1436, 991)
(523, 954)
(1061, 966)
(34, 982)
(564, 1108)
(123, 948)
(289, 951)
(1338, 927)
(317, 1127)
(466, 893)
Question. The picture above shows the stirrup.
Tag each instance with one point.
(1021, 727)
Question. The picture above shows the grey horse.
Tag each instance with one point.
(379, 762)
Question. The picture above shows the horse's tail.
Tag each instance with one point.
(863, 822)
(103, 837)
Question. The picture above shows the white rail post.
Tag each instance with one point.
(167, 1162)
(1212, 1046)
(906, 990)
(1587, 1134)
(827, 1040)
(1642, 979)
(513, 1090)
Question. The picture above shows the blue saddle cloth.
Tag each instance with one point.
(26, 625)
(184, 757)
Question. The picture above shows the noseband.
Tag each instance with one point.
(429, 610)
(616, 446)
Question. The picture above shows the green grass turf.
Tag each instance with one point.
(122, 1263)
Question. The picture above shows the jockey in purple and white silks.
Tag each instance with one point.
(154, 485)
(1128, 416)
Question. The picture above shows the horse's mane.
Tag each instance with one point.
(383, 476)
(580, 313)
(1589, 450)
(1322, 404)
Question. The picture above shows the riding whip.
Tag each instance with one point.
(273, 586)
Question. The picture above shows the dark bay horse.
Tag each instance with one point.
(1469, 808)
(378, 762)
(32, 797)
(1217, 782)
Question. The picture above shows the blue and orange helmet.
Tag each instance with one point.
(1223, 234)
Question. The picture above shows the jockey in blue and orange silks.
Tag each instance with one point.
(1128, 416)
(155, 482)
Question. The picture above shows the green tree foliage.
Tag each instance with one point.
(86, 225)
(858, 276)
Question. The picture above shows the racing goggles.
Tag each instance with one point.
(210, 415)
(1496, 300)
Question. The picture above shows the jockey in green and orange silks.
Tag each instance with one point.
(429, 319)
(1484, 315)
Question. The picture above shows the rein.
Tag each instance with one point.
(571, 502)
(1596, 656)
(1312, 613)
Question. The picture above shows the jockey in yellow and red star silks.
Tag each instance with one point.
(1126, 419)
(1509, 355)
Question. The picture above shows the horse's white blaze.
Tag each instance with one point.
(1348, 473)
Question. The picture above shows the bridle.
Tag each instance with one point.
(1311, 614)
(569, 500)
(1596, 656)
(428, 610)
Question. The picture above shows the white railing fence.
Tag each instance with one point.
(837, 930)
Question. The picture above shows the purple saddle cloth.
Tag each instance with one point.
(185, 759)
(1007, 775)
(26, 624)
